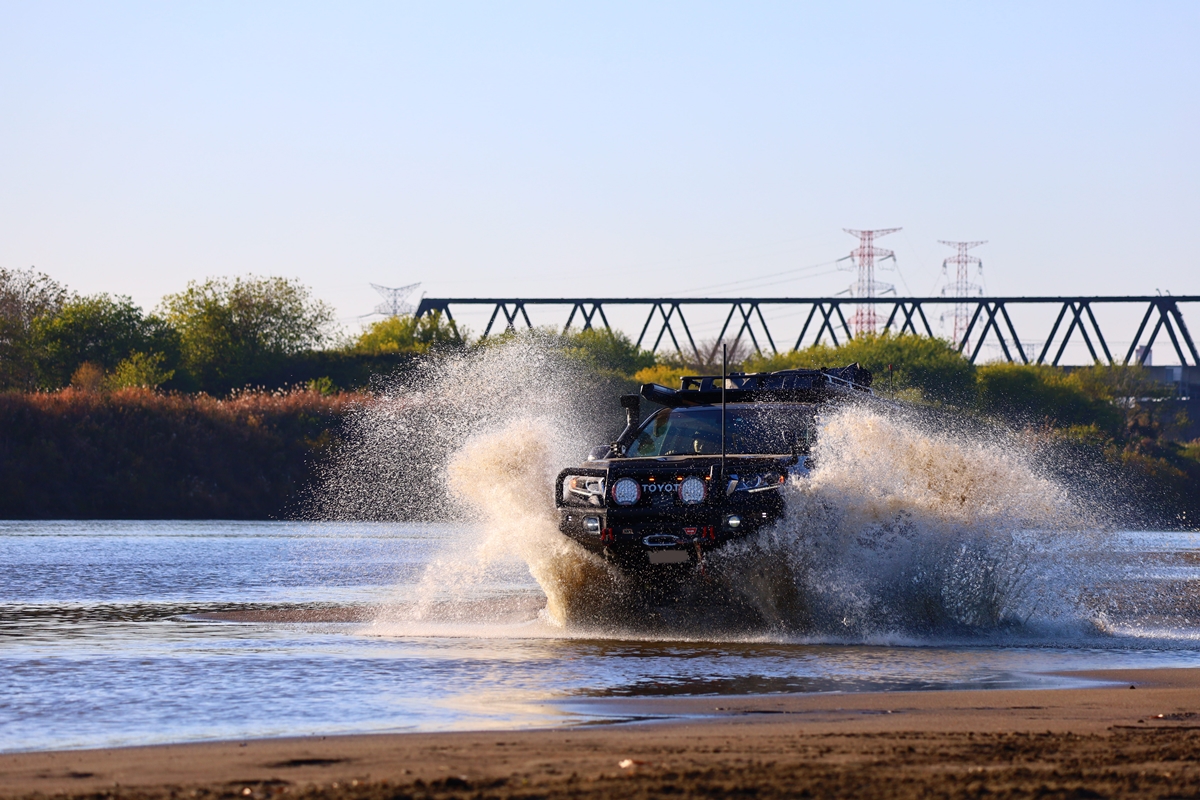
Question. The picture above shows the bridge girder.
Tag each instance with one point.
(665, 320)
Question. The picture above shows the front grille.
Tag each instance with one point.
(661, 490)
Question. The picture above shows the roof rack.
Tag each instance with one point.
(785, 385)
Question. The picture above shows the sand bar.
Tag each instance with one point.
(1103, 740)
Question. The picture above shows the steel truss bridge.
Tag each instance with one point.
(826, 316)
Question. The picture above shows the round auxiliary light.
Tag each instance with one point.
(691, 491)
(626, 492)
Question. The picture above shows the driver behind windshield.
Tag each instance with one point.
(697, 431)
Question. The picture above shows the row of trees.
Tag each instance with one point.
(214, 336)
(224, 334)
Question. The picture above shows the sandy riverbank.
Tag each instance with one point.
(1104, 740)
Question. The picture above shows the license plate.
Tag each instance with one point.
(669, 557)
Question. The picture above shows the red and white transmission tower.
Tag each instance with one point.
(961, 287)
(864, 258)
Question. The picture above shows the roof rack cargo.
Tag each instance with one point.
(783, 386)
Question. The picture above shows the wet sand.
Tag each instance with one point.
(1100, 741)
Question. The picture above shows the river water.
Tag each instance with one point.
(140, 632)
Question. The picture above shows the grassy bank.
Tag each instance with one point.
(140, 454)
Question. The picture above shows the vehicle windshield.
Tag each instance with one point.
(748, 429)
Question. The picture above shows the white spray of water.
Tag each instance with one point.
(508, 477)
(904, 529)
(393, 465)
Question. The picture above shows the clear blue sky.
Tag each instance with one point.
(623, 149)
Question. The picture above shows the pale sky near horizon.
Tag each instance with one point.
(552, 149)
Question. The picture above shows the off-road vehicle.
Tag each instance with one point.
(706, 468)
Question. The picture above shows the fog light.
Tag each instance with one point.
(591, 524)
(626, 492)
(733, 521)
(691, 490)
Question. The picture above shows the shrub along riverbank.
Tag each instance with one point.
(140, 454)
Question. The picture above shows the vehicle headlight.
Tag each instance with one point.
(626, 492)
(762, 482)
(692, 490)
(588, 488)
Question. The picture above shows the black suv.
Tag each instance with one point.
(705, 469)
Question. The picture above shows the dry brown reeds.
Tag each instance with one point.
(141, 454)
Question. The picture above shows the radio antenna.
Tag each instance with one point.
(724, 359)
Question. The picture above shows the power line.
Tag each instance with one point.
(747, 281)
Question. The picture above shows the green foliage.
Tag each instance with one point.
(1134, 397)
(322, 386)
(140, 370)
(1085, 436)
(931, 367)
(668, 375)
(1171, 473)
(1029, 392)
(26, 298)
(346, 370)
(607, 351)
(1117, 415)
(104, 331)
(406, 334)
(233, 331)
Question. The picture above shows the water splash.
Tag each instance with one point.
(398, 446)
(508, 478)
(904, 527)
(477, 438)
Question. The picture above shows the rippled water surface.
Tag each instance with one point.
(138, 632)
